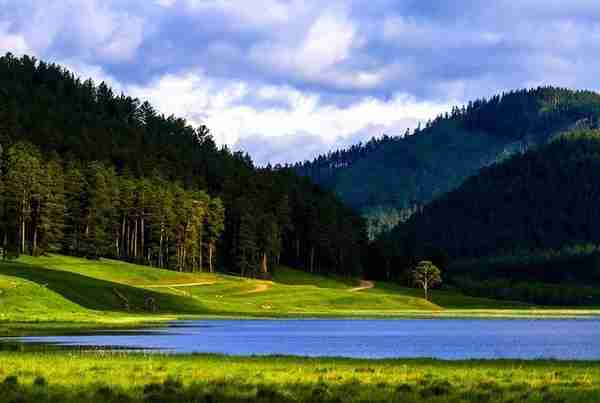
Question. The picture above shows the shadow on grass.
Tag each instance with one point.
(172, 390)
(92, 293)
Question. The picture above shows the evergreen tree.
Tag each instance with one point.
(215, 224)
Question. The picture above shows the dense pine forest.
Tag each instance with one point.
(531, 218)
(87, 172)
(391, 178)
(92, 173)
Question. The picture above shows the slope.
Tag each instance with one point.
(403, 173)
(107, 175)
(531, 219)
(73, 290)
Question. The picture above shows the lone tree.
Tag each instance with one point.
(426, 275)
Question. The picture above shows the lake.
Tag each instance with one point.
(451, 339)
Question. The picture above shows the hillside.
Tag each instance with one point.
(87, 172)
(532, 218)
(60, 289)
(391, 178)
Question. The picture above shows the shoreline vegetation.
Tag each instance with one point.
(128, 377)
(66, 294)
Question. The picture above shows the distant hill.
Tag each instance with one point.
(531, 218)
(89, 172)
(390, 178)
(545, 198)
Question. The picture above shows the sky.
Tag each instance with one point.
(286, 80)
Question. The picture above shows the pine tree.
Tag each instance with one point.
(22, 182)
(215, 224)
(52, 214)
(97, 210)
(75, 184)
(245, 254)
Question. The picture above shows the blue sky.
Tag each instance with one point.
(286, 79)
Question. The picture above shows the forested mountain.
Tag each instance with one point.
(532, 217)
(545, 198)
(89, 172)
(391, 178)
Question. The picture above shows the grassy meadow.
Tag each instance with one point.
(98, 377)
(59, 291)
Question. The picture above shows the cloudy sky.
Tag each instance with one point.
(288, 79)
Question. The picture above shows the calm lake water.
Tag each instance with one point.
(443, 339)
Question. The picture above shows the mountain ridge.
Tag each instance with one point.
(396, 175)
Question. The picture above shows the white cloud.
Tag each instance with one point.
(166, 3)
(98, 29)
(10, 42)
(259, 69)
(318, 53)
(254, 13)
(228, 109)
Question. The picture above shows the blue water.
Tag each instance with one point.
(443, 339)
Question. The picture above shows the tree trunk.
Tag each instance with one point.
(22, 235)
(129, 246)
(135, 239)
(142, 251)
(35, 235)
(123, 235)
(160, 249)
(210, 257)
(200, 254)
(263, 265)
(312, 259)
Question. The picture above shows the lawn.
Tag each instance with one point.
(59, 291)
(99, 377)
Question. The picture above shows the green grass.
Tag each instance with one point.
(98, 377)
(57, 291)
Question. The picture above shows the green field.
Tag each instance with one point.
(58, 291)
(96, 377)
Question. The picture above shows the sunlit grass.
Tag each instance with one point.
(59, 291)
(121, 377)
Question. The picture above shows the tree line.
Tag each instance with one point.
(92, 210)
(93, 173)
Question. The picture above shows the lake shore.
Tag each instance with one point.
(124, 321)
(121, 377)
(61, 293)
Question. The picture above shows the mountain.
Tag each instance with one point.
(533, 217)
(545, 198)
(388, 179)
(89, 172)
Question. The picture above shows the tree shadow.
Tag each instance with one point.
(92, 293)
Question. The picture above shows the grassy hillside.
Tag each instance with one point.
(66, 289)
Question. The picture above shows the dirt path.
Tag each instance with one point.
(180, 285)
(364, 285)
(257, 289)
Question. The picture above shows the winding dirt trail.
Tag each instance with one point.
(180, 285)
(257, 289)
(363, 285)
